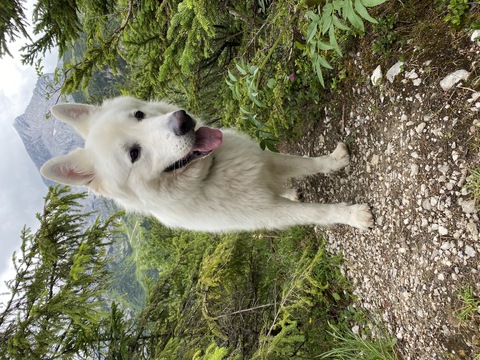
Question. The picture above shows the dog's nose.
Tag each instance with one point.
(181, 123)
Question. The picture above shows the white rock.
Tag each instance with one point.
(446, 246)
(475, 36)
(394, 71)
(426, 204)
(376, 76)
(411, 75)
(468, 206)
(470, 251)
(442, 230)
(474, 97)
(451, 79)
(417, 82)
(472, 228)
(441, 277)
(414, 170)
(420, 127)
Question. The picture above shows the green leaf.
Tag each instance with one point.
(371, 3)
(324, 46)
(324, 62)
(333, 41)
(312, 16)
(318, 70)
(299, 46)
(326, 23)
(354, 19)
(271, 83)
(362, 11)
(240, 70)
(311, 31)
(246, 112)
(231, 76)
(339, 24)
(336, 296)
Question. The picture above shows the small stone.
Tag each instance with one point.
(414, 170)
(472, 228)
(451, 79)
(443, 169)
(446, 246)
(420, 127)
(441, 277)
(411, 75)
(442, 230)
(426, 204)
(470, 251)
(468, 206)
(475, 36)
(394, 71)
(376, 76)
(417, 82)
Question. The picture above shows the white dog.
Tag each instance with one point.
(152, 158)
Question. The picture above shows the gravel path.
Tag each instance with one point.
(412, 145)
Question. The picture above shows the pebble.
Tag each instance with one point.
(475, 36)
(472, 228)
(376, 76)
(394, 71)
(470, 251)
(442, 230)
(468, 207)
(452, 79)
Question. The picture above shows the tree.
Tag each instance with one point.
(56, 307)
(12, 24)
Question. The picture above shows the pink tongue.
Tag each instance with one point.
(207, 139)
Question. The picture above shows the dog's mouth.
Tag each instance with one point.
(206, 140)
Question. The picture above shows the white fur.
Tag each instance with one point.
(237, 187)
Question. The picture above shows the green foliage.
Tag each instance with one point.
(12, 24)
(258, 296)
(244, 87)
(469, 304)
(349, 345)
(473, 184)
(457, 9)
(386, 35)
(55, 303)
(327, 21)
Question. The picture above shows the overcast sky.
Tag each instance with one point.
(21, 187)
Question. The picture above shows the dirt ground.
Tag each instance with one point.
(412, 145)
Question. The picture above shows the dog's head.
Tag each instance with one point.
(129, 143)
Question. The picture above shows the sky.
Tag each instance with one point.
(21, 186)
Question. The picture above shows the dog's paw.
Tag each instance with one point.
(340, 156)
(361, 217)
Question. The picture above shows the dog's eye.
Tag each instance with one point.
(134, 154)
(139, 115)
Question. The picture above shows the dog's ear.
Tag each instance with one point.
(72, 169)
(76, 115)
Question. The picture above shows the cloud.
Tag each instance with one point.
(21, 187)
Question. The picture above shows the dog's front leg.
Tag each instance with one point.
(290, 213)
(287, 166)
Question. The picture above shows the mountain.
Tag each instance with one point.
(45, 138)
